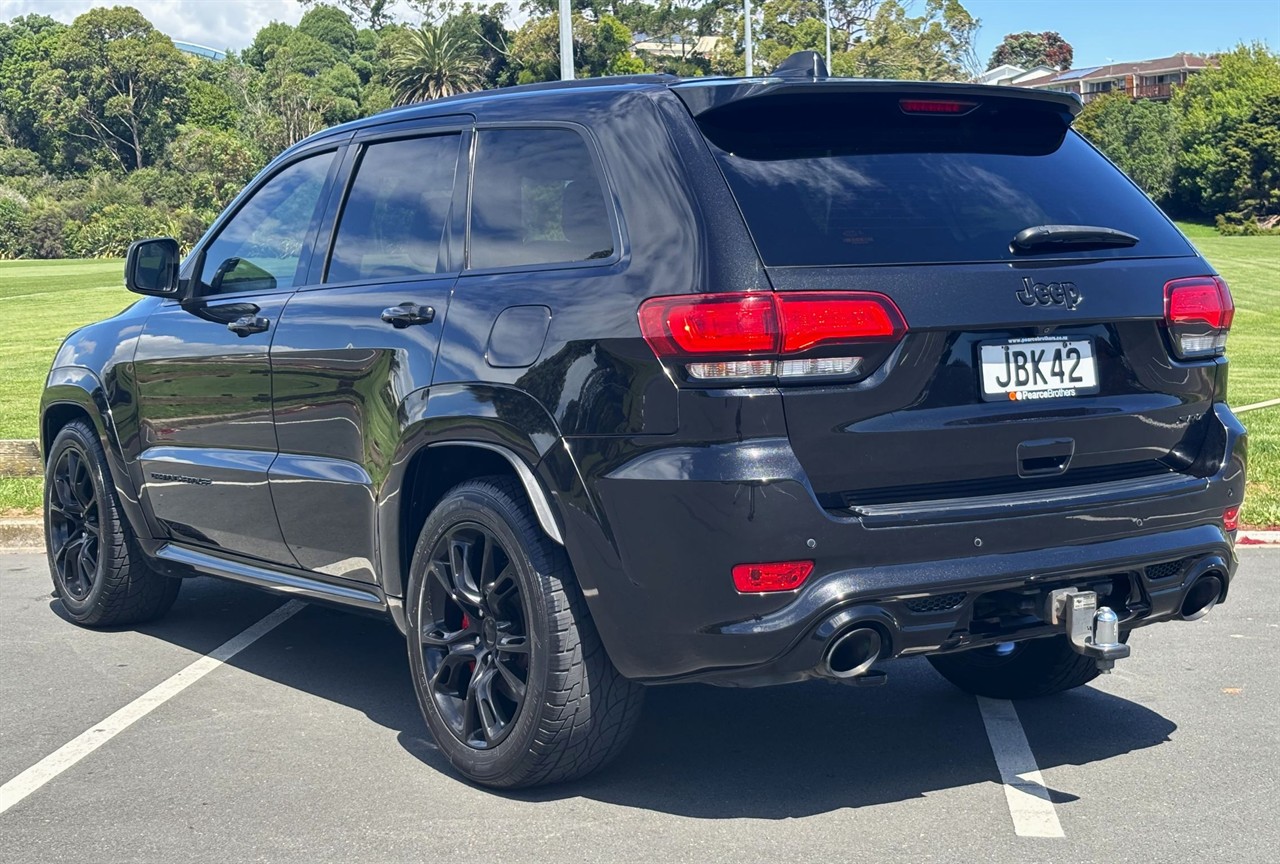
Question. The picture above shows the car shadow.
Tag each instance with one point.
(700, 751)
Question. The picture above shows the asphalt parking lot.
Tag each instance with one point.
(308, 746)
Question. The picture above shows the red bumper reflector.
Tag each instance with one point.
(1230, 520)
(774, 576)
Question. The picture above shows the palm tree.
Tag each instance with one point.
(433, 62)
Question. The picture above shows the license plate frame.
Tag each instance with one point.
(1055, 387)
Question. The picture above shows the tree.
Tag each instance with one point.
(26, 46)
(1252, 156)
(332, 27)
(374, 13)
(1029, 50)
(114, 81)
(1139, 136)
(1211, 107)
(869, 38)
(434, 62)
(600, 47)
(936, 45)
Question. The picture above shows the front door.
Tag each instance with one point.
(353, 345)
(204, 375)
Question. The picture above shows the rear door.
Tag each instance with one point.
(364, 335)
(919, 198)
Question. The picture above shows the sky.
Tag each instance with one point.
(1100, 31)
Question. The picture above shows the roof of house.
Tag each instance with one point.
(1175, 63)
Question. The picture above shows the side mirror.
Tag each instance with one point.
(151, 267)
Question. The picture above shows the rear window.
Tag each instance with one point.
(826, 182)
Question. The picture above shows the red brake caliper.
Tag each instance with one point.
(466, 622)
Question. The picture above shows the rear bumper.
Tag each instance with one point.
(680, 518)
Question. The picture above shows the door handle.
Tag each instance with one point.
(408, 314)
(246, 324)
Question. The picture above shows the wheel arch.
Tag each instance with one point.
(457, 433)
(73, 393)
(76, 393)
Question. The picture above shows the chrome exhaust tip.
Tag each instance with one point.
(1201, 597)
(852, 653)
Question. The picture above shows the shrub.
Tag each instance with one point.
(14, 222)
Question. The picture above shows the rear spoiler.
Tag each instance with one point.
(704, 95)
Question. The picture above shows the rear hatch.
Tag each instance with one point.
(1021, 369)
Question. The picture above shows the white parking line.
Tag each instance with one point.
(82, 745)
(1024, 789)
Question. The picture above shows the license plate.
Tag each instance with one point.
(1046, 368)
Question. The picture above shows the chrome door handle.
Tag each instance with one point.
(246, 324)
(408, 314)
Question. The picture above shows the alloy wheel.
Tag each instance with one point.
(474, 635)
(74, 523)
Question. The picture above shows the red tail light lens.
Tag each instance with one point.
(711, 324)
(747, 332)
(1198, 312)
(811, 320)
(775, 576)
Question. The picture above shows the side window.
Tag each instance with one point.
(394, 219)
(537, 199)
(259, 248)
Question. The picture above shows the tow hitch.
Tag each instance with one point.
(1094, 632)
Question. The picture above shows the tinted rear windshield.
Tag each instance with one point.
(826, 181)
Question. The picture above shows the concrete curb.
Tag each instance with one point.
(1258, 538)
(21, 535)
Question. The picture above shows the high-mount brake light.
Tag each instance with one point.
(762, 334)
(774, 576)
(950, 107)
(1198, 312)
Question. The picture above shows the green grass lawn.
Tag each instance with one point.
(42, 301)
(1251, 266)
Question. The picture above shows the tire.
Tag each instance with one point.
(99, 572)
(509, 670)
(1038, 667)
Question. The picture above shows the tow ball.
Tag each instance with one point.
(1094, 632)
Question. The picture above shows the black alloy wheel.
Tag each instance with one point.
(512, 678)
(99, 569)
(75, 531)
(474, 635)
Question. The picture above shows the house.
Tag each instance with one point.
(677, 46)
(1145, 79)
(1010, 75)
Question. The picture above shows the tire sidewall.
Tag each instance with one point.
(497, 514)
(75, 435)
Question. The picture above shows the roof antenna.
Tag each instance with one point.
(802, 64)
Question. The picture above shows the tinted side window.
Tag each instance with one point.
(259, 248)
(393, 223)
(537, 199)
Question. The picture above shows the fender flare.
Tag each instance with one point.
(537, 497)
(501, 419)
(81, 387)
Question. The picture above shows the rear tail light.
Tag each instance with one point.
(754, 335)
(775, 576)
(1198, 313)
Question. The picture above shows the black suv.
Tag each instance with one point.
(639, 380)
